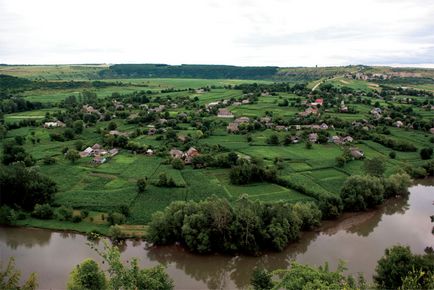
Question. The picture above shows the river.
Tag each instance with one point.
(359, 239)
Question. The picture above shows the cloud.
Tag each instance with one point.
(241, 32)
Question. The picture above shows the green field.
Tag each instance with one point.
(104, 188)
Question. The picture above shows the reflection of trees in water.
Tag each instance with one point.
(17, 237)
(392, 206)
(216, 270)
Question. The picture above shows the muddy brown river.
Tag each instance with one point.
(358, 239)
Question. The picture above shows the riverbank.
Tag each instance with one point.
(359, 239)
(96, 222)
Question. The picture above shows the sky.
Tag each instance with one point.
(281, 33)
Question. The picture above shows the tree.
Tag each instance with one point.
(10, 277)
(426, 153)
(68, 134)
(397, 263)
(374, 167)
(43, 211)
(72, 155)
(78, 126)
(15, 153)
(129, 275)
(392, 155)
(141, 184)
(261, 280)
(177, 163)
(362, 192)
(396, 184)
(25, 187)
(87, 276)
(305, 277)
(273, 139)
(112, 126)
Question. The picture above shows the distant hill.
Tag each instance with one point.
(188, 71)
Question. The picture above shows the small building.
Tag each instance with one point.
(86, 152)
(190, 154)
(118, 133)
(224, 113)
(232, 128)
(150, 152)
(265, 119)
(175, 153)
(313, 137)
(54, 124)
(281, 128)
(431, 130)
(357, 153)
(113, 152)
(244, 102)
(242, 120)
(96, 146)
(347, 139)
(99, 160)
(152, 131)
(324, 126)
(399, 124)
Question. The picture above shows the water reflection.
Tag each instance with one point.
(34, 237)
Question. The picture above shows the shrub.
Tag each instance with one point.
(396, 184)
(43, 211)
(392, 155)
(48, 160)
(116, 218)
(64, 213)
(177, 164)
(426, 153)
(115, 233)
(76, 219)
(84, 213)
(7, 215)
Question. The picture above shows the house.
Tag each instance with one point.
(118, 105)
(431, 130)
(376, 112)
(113, 152)
(212, 104)
(150, 152)
(347, 139)
(182, 138)
(190, 154)
(232, 128)
(335, 139)
(152, 131)
(399, 124)
(242, 120)
(324, 126)
(224, 113)
(99, 160)
(313, 137)
(309, 111)
(317, 102)
(89, 109)
(236, 103)
(175, 153)
(96, 146)
(86, 152)
(295, 139)
(54, 124)
(280, 128)
(245, 102)
(357, 153)
(117, 133)
(265, 119)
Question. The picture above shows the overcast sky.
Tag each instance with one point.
(246, 32)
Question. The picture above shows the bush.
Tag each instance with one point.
(177, 164)
(64, 213)
(76, 219)
(84, 213)
(43, 211)
(396, 184)
(7, 215)
(426, 153)
(116, 218)
(392, 155)
(115, 233)
(141, 184)
(48, 160)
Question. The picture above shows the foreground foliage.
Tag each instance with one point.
(10, 278)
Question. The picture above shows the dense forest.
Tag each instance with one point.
(189, 71)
